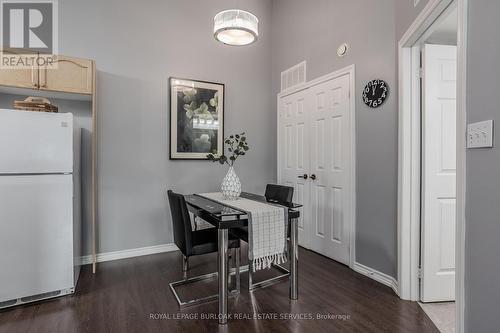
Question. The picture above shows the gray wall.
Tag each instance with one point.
(137, 46)
(482, 266)
(406, 13)
(312, 30)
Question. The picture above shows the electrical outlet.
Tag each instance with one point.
(480, 135)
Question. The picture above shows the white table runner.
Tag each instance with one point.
(267, 229)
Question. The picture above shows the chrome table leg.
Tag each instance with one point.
(294, 259)
(223, 270)
(250, 281)
(237, 267)
(230, 261)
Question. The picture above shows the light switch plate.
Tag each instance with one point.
(480, 135)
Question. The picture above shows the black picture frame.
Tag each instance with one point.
(194, 126)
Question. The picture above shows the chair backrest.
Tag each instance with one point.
(181, 222)
(279, 193)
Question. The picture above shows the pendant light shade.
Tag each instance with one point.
(236, 27)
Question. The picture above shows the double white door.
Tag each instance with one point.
(315, 152)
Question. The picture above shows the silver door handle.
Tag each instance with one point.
(313, 176)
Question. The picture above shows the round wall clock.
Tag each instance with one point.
(375, 93)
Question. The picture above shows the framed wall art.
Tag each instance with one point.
(196, 119)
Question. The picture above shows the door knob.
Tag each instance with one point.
(304, 176)
(313, 176)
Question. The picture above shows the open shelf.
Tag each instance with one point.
(44, 93)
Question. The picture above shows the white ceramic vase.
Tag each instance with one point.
(231, 185)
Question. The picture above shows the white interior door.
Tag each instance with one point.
(294, 151)
(439, 173)
(330, 145)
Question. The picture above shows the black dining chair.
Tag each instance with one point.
(193, 243)
(279, 193)
(282, 195)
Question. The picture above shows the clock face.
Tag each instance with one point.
(375, 93)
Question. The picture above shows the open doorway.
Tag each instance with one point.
(438, 93)
(432, 162)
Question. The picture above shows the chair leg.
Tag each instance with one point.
(252, 286)
(185, 263)
(183, 304)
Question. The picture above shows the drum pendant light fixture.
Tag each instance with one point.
(236, 27)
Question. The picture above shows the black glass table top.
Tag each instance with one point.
(212, 207)
(222, 211)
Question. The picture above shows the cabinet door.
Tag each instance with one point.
(71, 75)
(22, 77)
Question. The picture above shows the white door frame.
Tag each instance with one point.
(409, 154)
(351, 71)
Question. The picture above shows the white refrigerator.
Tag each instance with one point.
(40, 220)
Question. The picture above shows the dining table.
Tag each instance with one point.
(224, 217)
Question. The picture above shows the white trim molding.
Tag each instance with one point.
(377, 276)
(409, 154)
(463, 7)
(130, 253)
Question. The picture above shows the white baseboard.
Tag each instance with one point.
(142, 251)
(377, 276)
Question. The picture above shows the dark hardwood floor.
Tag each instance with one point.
(132, 295)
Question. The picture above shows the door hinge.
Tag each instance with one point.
(420, 272)
(420, 73)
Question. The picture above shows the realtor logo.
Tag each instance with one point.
(29, 29)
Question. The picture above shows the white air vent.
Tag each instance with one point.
(293, 76)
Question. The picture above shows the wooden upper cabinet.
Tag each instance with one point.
(71, 75)
(24, 77)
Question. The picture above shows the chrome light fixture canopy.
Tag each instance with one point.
(236, 27)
